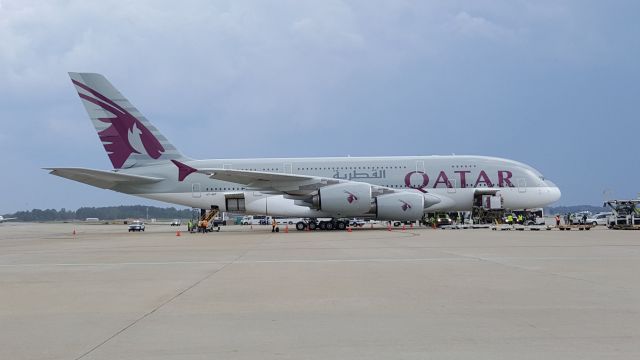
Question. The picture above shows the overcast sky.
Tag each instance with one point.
(554, 84)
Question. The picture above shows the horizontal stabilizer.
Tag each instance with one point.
(101, 178)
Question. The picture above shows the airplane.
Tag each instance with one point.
(3, 219)
(394, 188)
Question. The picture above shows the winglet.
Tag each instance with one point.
(184, 170)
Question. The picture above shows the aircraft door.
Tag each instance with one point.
(195, 190)
(522, 185)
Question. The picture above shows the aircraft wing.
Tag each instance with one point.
(267, 182)
(291, 185)
(101, 178)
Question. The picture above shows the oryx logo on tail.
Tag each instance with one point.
(126, 135)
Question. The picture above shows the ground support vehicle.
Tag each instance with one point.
(626, 214)
(213, 226)
(208, 221)
(437, 220)
(519, 227)
(288, 221)
(578, 217)
(599, 218)
(256, 220)
(530, 216)
(136, 226)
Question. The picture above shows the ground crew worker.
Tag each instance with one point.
(520, 219)
(510, 219)
(274, 223)
(558, 220)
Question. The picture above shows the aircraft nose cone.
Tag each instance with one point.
(554, 194)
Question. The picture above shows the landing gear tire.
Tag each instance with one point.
(312, 226)
(329, 225)
(322, 225)
(301, 226)
(340, 225)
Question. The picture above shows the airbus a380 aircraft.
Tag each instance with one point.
(398, 188)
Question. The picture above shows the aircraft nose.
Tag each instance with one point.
(554, 194)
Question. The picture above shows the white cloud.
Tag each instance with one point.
(478, 27)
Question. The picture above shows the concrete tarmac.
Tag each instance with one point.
(369, 294)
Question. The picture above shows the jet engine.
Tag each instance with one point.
(400, 206)
(344, 200)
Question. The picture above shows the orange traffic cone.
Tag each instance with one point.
(412, 225)
(178, 233)
(348, 228)
(389, 227)
(404, 227)
(286, 229)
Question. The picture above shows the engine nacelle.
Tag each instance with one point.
(400, 206)
(345, 200)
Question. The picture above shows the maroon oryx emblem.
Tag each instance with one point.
(405, 205)
(351, 198)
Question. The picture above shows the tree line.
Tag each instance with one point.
(102, 213)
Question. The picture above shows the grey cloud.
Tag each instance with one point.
(297, 78)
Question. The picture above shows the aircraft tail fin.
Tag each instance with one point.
(128, 137)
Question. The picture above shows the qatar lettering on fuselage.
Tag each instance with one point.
(420, 180)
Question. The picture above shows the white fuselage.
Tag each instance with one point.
(456, 180)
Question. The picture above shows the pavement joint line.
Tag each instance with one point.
(496, 260)
(160, 306)
(237, 262)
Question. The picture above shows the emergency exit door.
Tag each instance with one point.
(195, 190)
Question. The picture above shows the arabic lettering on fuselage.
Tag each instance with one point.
(375, 174)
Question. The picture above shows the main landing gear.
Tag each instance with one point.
(313, 224)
